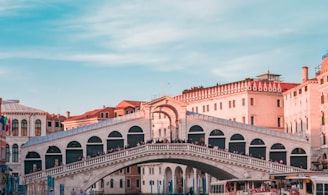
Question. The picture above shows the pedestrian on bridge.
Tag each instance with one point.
(82, 192)
(73, 192)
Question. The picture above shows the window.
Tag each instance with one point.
(208, 108)
(220, 105)
(229, 104)
(279, 122)
(243, 102)
(196, 109)
(244, 119)
(127, 169)
(128, 183)
(102, 183)
(321, 81)
(203, 108)
(38, 127)
(322, 99)
(322, 118)
(24, 128)
(215, 107)
(121, 183)
(252, 102)
(137, 183)
(111, 183)
(233, 103)
(300, 91)
(7, 153)
(15, 153)
(252, 120)
(49, 123)
(278, 103)
(57, 124)
(15, 127)
(305, 88)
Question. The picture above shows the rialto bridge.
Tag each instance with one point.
(221, 148)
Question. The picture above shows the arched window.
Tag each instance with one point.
(15, 153)
(15, 127)
(38, 127)
(7, 153)
(24, 128)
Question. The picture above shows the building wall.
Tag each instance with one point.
(256, 103)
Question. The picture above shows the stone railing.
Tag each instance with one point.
(176, 150)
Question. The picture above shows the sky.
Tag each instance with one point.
(78, 55)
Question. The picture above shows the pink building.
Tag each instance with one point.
(251, 101)
(306, 111)
(322, 77)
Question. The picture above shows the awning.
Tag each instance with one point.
(5, 168)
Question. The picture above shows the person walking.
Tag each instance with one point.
(91, 192)
(73, 192)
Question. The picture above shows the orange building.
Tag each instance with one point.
(55, 123)
(87, 118)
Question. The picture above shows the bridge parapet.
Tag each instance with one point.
(176, 150)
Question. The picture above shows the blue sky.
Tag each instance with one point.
(76, 56)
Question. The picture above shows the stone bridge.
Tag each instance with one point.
(218, 163)
(222, 148)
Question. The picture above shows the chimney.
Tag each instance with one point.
(67, 114)
(305, 74)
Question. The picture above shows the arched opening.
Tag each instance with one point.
(115, 141)
(237, 144)
(216, 139)
(53, 157)
(168, 185)
(94, 147)
(298, 158)
(74, 152)
(257, 149)
(135, 136)
(196, 135)
(178, 186)
(32, 162)
(278, 153)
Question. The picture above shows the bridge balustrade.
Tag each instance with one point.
(160, 149)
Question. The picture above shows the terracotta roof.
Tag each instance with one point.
(128, 103)
(92, 114)
(12, 106)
